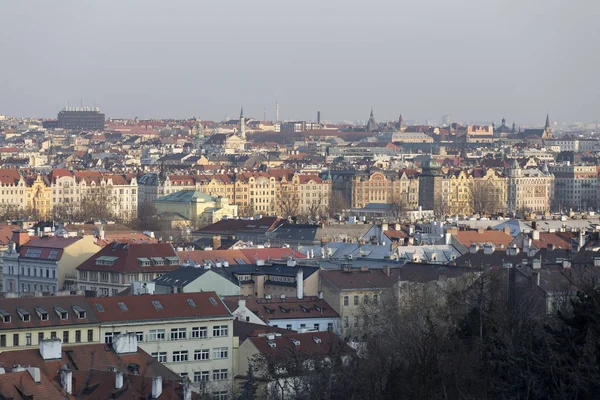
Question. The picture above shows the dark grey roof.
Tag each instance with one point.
(295, 232)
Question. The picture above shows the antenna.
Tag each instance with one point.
(276, 111)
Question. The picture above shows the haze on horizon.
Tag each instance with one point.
(471, 59)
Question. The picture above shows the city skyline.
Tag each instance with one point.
(423, 60)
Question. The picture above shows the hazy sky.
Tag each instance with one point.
(473, 59)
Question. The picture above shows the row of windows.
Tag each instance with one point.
(154, 335)
(357, 302)
(218, 353)
(66, 337)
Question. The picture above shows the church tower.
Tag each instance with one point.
(547, 128)
(372, 124)
(242, 124)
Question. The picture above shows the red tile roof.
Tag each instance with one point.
(498, 238)
(291, 307)
(327, 343)
(128, 258)
(142, 308)
(9, 176)
(20, 385)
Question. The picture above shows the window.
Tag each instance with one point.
(178, 333)
(288, 326)
(220, 353)
(160, 356)
(79, 311)
(200, 332)
(184, 375)
(61, 312)
(355, 321)
(375, 299)
(157, 305)
(345, 322)
(180, 356)
(191, 303)
(90, 335)
(221, 395)
(219, 374)
(156, 334)
(345, 300)
(15, 339)
(330, 326)
(316, 326)
(40, 337)
(53, 335)
(108, 336)
(220, 330)
(77, 336)
(355, 300)
(122, 306)
(366, 299)
(66, 337)
(201, 355)
(28, 339)
(2, 340)
(139, 336)
(201, 376)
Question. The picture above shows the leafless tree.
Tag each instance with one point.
(337, 203)
(483, 198)
(288, 201)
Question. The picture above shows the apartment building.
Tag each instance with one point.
(190, 333)
(575, 186)
(12, 189)
(115, 267)
(380, 186)
(26, 321)
(44, 263)
(529, 189)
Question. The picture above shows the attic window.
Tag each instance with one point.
(269, 309)
(61, 312)
(106, 260)
(212, 301)
(43, 314)
(304, 308)
(144, 262)
(296, 342)
(24, 315)
(191, 303)
(271, 344)
(5, 316)
(158, 261)
(53, 255)
(99, 307)
(172, 260)
(157, 304)
(79, 311)
(33, 253)
(122, 306)
(317, 340)
(285, 310)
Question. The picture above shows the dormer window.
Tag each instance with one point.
(79, 311)
(25, 317)
(158, 261)
(43, 314)
(172, 260)
(106, 260)
(61, 312)
(5, 316)
(144, 262)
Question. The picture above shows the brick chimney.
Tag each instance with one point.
(20, 237)
(216, 242)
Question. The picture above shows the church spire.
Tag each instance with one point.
(372, 124)
(242, 124)
(547, 126)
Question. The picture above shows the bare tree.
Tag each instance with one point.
(288, 201)
(337, 203)
(316, 207)
(483, 197)
(97, 203)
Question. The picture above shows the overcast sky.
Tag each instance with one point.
(476, 60)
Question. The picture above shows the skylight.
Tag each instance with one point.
(99, 307)
(33, 253)
(122, 306)
(157, 304)
(212, 301)
(191, 303)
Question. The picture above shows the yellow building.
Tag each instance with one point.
(26, 321)
(386, 187)
(39, 197)
(456, 192)
(187, 206)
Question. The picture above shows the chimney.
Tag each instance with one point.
(20, 237)
(51, 349)
(300, 283)
(320, 295)
(125, 343)
(387, 270)
(291, 262)
(535, 234)
(448, 238)
(480, 231)
(156, 386)
(241, 303)
(506, 230)
(66, 379)
(474, 248)
(35, 373)
(216, 242)
(489, 248)
(537, 264)
(118, 380)
(538, 276)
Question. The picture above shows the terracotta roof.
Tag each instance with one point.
(101, 385)
(20, 385)
(6, 233)
(144, 308)
(560, 240)
(34, 305)
(326, 343)
(131, 256)
(495, 237)
(200, 256)
(9, 176)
